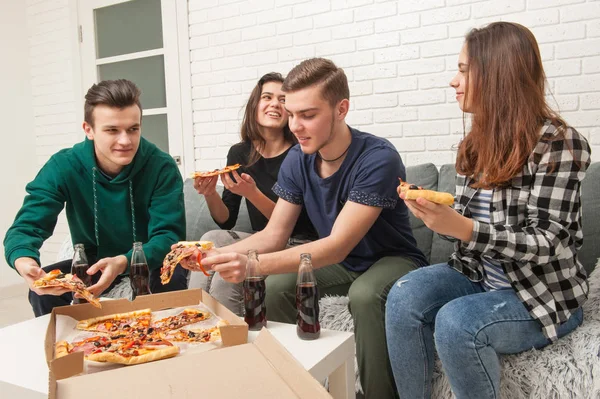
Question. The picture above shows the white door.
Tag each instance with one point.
(137, 40)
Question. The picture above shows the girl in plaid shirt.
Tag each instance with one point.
(513, 282)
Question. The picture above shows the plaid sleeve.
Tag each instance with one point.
(553, 206)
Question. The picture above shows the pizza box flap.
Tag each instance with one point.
(235, 333)
(263, 369)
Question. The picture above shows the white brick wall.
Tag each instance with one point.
(399, 58)
(52, 86)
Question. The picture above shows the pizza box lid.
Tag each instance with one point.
(262, 369)
(235, 333)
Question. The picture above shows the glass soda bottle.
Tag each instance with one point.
(255, 310)
(139, 274)
(307, 301)
(79, 268)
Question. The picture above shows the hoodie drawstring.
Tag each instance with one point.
(95, 207)
(132, 210)
(94, 169)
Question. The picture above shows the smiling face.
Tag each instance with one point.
(116, 133)
(312, 119)
(459, 83)
(270, 113)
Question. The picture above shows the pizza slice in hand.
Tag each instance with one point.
(216, 172)
(412, 192)
(183, 250)
(57, 278)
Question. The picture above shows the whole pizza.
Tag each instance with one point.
(134, 338)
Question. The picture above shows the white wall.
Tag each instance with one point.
(399, 57)
(17, 150)
(39, 34)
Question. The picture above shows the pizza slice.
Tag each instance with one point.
(412, 192)
(196, 335)
(187, 316)
(216, 172)
(120, 323)
(122, 350)
(183, 250)
(57, 278)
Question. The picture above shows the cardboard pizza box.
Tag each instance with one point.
(235, 333)
(262, 369)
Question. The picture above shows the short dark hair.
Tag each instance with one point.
(322, 72)
(118, 93)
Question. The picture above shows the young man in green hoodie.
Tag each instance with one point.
(117, 187)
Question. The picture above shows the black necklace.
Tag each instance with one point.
(333, 160)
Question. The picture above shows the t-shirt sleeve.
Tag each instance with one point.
(376, 179)
(289, 180)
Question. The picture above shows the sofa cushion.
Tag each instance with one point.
(441, 249)
(590, 200)
(197, 216)
(426, 176)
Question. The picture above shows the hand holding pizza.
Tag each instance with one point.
(231, 266)
(440, 218)
(206, 185)
(110, 269)
(244, 185)
(31, 271)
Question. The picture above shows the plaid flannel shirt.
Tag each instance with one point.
(534, 230)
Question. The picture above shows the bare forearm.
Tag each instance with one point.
(263, 242)
(217, 208)
(324, 252)
(262, 203)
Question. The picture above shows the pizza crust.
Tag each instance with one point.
(216, 172)
(61, 349)
(430, 195)
(150, 356)
(413, 192)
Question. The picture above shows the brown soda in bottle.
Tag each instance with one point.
(307, 301)
(139, 274)
(255, 310)
(79, 268)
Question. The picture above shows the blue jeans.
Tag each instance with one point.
(472, 326)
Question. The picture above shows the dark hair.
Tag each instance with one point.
(120, 93)
(322, 72)
(250, 131)
(506, 83)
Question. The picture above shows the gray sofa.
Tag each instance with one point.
(548, 373)
(437, 250)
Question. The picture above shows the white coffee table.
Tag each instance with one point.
(24, 373)
(331, 355)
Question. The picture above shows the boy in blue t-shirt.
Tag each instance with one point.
(346, 180)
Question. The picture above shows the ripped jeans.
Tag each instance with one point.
(472, 327)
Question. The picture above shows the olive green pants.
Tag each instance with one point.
(367, 292)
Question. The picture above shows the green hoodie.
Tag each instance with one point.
(142, 203)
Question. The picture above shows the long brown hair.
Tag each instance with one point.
(506, 84)
(250, 131)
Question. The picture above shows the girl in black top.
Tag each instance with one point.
(266, 140)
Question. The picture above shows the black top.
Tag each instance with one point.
(264, 172)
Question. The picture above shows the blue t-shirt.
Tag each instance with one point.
(369, 176)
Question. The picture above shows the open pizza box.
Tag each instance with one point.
(262, 369)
